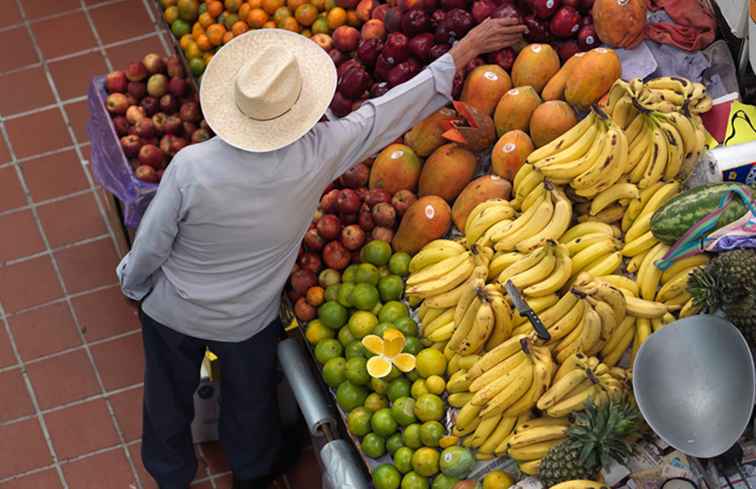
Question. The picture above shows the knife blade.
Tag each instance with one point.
(525, 310)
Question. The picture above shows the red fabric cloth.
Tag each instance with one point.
(693, 25)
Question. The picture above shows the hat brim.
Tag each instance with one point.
(234, 127)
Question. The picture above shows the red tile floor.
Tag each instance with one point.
(70, 347)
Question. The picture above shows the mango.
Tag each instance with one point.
(425, 137)
(534, 66)
(447, 171)
(592, 77)
(515, 108)
(427, 219)
(509, 153)
(554, 89)
(550, 120)
(484, 86)
(395, 168)
(479, 190)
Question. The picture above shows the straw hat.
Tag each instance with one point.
(266, 89)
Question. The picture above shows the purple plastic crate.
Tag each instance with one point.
(109, 165)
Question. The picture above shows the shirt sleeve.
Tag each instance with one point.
(343, 143)
(154, 239)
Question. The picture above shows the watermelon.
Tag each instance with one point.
(674, 218)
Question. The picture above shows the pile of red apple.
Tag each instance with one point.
(155, 112)
(566, 24)
(349, 216)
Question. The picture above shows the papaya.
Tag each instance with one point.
(534, 66)
(474, 130)
(509, 153)
(592, 77)
(550, 120)
(479, 190)
(515, 108)
(427, 219)
(447, 171)
(554, 89)
(395, 168)
(484, 86)
(425, 137)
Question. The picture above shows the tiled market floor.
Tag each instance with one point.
(70, 348)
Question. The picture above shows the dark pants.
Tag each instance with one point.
(249, 421)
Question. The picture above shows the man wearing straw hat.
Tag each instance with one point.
(216, 245)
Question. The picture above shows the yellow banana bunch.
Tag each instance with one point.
(485, 216)
(533, 439)
(443, 276)
(435, 252)
(580, 484)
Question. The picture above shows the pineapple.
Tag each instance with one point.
(728, 283)
(597, 436)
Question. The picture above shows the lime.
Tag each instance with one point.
(431, 433)
(394, 443)
(334, 371)
(412, 375)
(435, 384)
(373, 446)
(398, 388)
(394, 374)
(375, 401)
(412, 345)
(345, 294)
(403, 411)
(355, 349)
(329, 277)
(345, 336)
(350, 396)
(430, 362)
(332, 292)
(356, 372)
(362, 323)
(180, 28)
(379, 386)
(407, 326)
(418, 388)
(402, 459)
(497, 479)
(381, 328)
(349, 274)
(429, 407)
(399, 263)
(376, 252)
(383, 423)
(383, 272)
(332, 314)
(359, 421)
(413, 480)
(197, 66)
(391, 288)
(411, 436)
(364, 297)
(443, 481)
(425, 461)
(386, 476)
(377, 308)
(315, 332)
(328, 349)
(393, 310)
(366, 274)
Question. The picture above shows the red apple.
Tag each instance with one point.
(373, 29)
(365, 219)
(565, 23)
(145, 128)
(174, 67)
(121, 125)
(136, 72)
(153, 63)
(146, 173)
(353, 237)
(544, 9)
(188, 128)
(507, 11)
(158, 120)
(131, 145)
(415, 22)
(362, 191)
(336, 256)
(437, 18)
(452, 4)
(379, 12)
(347, 219)
(482, 9)
(346, 38)
(504, 58)
(402, 200)
(150, 105)
(369, 51)
(177, 144)
(172, 125)
(439, 50)
(200, 135)
(382, 67)
(116, 81)
(168, 104)
(378, 89)
(392, 19)
(347, 4)
(420, 46)
(538, 30)
(329, 202)
(340, 105)
(365, 9)
(337, 57)
(303, 310)
(458, 22)
(177, 87)
(354, 82)
(348, 201)
(376, 196)
(396, 48)
(474, 63)
(165, 143)
(384, 234)
(323, 40)
(329, 227)
(137, 90)
(567, 49)
(384, 215)
(190, 111)
(302, 279)
(291, 293)
(587, 37)
(311, 261)
(157, 85)
(149, 154)
(132, 99)
(117, 103)
(355, 177)
(134, 114)
(313, 241)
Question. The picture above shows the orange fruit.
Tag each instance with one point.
(269, 25)
(197, 30)
(204, 43)
(290, 24)
(318, 4)
(337, 17)
(255, 3)
(239, 28)
(329, 4)
(270, 6)
(214, 8)
(185, 40)
(320, 26)
(257, 18)
(294, 4)
(215, 34)
(232, 5)
(352, 18)
(206, 20)
(244, 11)
(171, 14)
(207, 57)
(229, 20)
(315, 296)
(280, 14)
(306, 14)
(193, 51)
(227, 37)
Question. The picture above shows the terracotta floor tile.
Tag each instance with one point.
(78, 35)
(22, 53)
(72, 75)
(202, 485)
(120, 362)
(216, 460)
(120, 21)
(88, 266)
(127, 406)
(78, 116)
(11, 15)
(147, 481)
(54, 175)
(110, 468)
(105, 313)
(4, 153)
(38, 133)
(81, 429)
(63, 379)
(7, 357)
(11, 193)
(42, 8)
(16, 401)
(23, 448)
(71, 220)
(47, 479)
(26, 239)
(86, 152)
(44, 331)
(225, 482)
(24, 90)
(120, 56)
(28, 283)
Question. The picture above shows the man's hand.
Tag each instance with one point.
(488, 36)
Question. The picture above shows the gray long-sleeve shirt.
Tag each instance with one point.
(221, 236)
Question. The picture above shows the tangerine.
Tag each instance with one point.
(204, 43)
(318, 4)
(269, 25)
(170, 14)
(215, 34)
(214, 8)
(329, 4)
(270, 6)
(206, 20)
(257, 18)
(239, 28)
(232, 5)
(244, 11)
(229, 20)
(336, 18)
(295, 4)
(207, 57)
(197, 30)
(352, 19)
(255, 3)
(185, 40)
(306, 14)
(197, 66)
(320, 26)
(280, 14)
(315, 295)
(193, 51)
(227, 37)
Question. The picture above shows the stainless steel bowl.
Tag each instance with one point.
(694, 383)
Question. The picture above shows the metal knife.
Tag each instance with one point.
(524, 309)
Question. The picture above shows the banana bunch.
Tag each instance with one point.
(580, 484)
(686, 96)
(593, 248)
(590, 157)
(527, 185)
(521, 324)
(541, 272)
(533, 439)
(636, 223)
(481, 318)
(674, 284)
(487, 219)
(445, 275)
(608, 206)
